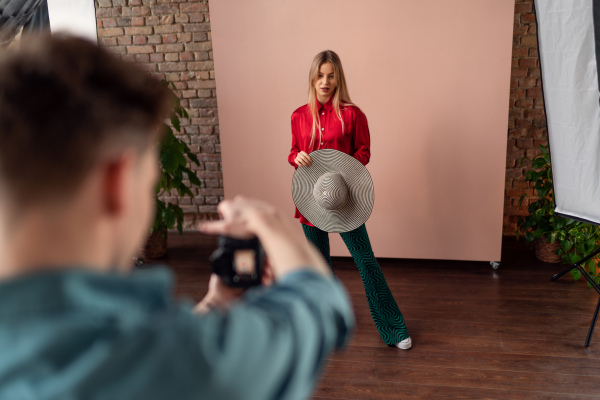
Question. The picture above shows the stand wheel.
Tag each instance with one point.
(495, 264)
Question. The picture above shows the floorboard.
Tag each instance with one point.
(478, 333)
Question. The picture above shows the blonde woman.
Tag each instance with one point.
(330, 121)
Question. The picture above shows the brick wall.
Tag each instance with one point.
(527, 121)
(172, 39)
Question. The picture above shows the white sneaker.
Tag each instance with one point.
(405, 344)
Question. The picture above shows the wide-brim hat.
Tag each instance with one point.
(335, 193)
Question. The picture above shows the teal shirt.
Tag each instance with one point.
(78, 334)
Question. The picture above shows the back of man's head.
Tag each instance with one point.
(64, 103)
(77, 161)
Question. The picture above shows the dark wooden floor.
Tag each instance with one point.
(477, 333)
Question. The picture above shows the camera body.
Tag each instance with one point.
(238, 262)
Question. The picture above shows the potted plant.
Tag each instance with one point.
(556, 238)
(173, 168)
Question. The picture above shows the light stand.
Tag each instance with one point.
(592, 255)
(591, 282)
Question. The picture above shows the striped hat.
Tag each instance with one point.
(335, 193)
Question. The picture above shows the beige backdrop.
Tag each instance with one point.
(433, 78)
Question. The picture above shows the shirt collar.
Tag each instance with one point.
(328, 106)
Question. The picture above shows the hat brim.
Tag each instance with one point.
(361, 195)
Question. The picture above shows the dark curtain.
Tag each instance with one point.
(14, 14)
(39, 21)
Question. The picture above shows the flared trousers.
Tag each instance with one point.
(384, 310)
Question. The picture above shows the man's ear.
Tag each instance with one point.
(117, 174)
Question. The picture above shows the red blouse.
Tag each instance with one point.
(355, 140)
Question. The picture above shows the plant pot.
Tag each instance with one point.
(546, 251)
(156, 245)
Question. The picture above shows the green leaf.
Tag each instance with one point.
(565, 245)
(575, 274)
(169, 217)
(538, 163)
(175, 122)
(184, 190)
(162, 182)
(529, 237)
(547, 158)
(178, 181)
(193, 158)
(592, 267)
(523, 160)
(591, 242)
(533, 207)
(158, 217)
(170, 160)
(169, 137)
(181, 159)
(531, 176)
(169, 184)
(543, 192)
(186, 148)
(193, 177)
(179, 215)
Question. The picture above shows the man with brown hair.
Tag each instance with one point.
(78, 167)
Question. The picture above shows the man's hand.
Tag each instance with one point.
(285, 247)
(219, 295)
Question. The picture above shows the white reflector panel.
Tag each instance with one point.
(567, 44)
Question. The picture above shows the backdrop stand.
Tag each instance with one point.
(591, 281)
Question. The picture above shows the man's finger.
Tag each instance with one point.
(213, 227)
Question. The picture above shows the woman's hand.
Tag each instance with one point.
(303, 159)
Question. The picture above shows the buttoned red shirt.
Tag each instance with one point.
(354, 140)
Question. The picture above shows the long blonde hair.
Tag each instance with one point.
(341, 97)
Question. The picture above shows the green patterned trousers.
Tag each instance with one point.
(386, 314)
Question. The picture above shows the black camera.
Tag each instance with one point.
(238, 262)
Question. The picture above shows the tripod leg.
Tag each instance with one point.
(576, 265)
(589, 336)
(561, 273)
